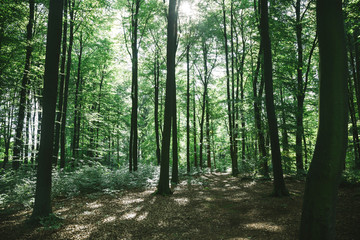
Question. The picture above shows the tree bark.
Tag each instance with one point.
(279, 184)
(319, 206)
(61, 89)
(163, 186)
(71, 7)
(18, 144)
(233, 152)
(194, 126)
(300, 94)
(42, 206)
(134, 89)
(188, 167)
(156, 108)
(76, 137)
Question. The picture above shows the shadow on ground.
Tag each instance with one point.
(214, 206)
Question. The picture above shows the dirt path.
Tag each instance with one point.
(223, 207)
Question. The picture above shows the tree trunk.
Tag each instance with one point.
(285, 137)
(279, 184)
(76, 137)
(319, 206)
(208, 142)
(175, 165)
(61, 89)
(18, 144)
(194, 126)
(188, 108)
(66, 87)
(156, 108)
(264, 169)
(300, 94)
(233, 152)
(42, 206)
(134, 89)
(163, 186)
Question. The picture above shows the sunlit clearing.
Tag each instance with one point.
(264, 226)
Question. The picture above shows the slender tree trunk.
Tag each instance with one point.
(188, 108)
(34, 135)
(175, 167)
(163, 187)
(75, 142)
(233, 153)
(194, 126)
(18, 144)
(134, 89)
(61, 89)
(27, 131)
(235, 110)
(319, 205)
(66, 86)
(285, 137)
(300, 94)
(204, 99)
(156, 110)
(279, 184)
(208, 150)
(42, 206)
(258, 123)
(7, 135)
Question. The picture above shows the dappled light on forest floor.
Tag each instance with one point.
(213, 206)
(264, 226)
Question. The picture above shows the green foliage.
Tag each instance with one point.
(17, 187)
(96, 178)
(351, 177)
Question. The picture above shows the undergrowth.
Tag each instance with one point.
(18, 187)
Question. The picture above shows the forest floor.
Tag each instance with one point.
(222, 207)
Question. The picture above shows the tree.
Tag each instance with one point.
(133, 148)
(279, 184)
(24, 88)
(230, 100)
(318, 213)
(42, 206)
(163, 186)
(60, 114)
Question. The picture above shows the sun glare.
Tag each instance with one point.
(187, 9)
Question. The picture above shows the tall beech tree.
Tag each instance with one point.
(279, 184)
(59, 115)
(319, 206)
(24, 92)
(42, 206)
(133, 148)
(230, 98)
(169, 114)
(71, 7)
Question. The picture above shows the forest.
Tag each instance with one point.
(179, 119)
